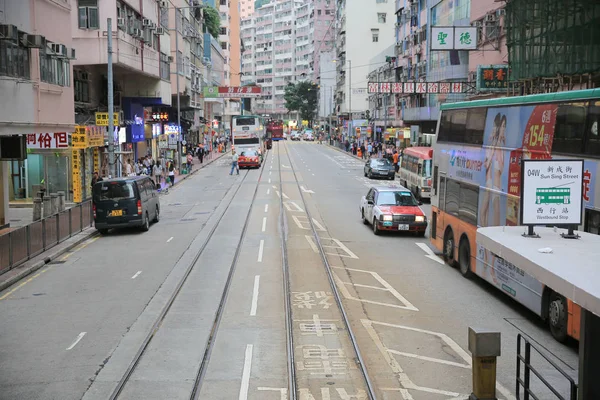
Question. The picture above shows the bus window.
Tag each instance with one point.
(442, 194)
(469, 203)
(452, 197)
(427, 168)
(570, 125)
(475, 125)
(592, 145)
(419, 169)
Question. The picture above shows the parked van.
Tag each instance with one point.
(125, 202)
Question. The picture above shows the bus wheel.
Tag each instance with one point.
(464, 258)
(449, 247)
(557, 317)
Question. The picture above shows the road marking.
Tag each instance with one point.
(270, 172)
(302, 223)
(255, 296)
(289, 208)
(405, 381)
(266, 207)
(5, 295)
(406, 305)
(246, 373)
(340, 245)
(306, 190)
(269, 180)
(79, 247)
(269, 191)
(274, 187)
(79, 337)
(285, 166)
(260, 250)
(430, 253)
(136, 275)
(264, 225)
(313, 174)
(169, 239)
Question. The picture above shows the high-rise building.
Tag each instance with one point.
(246, 8)
(363, 31)
(323, 19)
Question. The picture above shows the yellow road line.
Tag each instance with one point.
(25, 282)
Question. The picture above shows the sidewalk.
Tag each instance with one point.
(16, 274)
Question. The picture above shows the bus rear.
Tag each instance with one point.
(477, 183)
(415, 171)
(247, 131)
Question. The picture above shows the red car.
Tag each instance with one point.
(249, 159)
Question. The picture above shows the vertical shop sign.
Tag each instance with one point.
(96, 160)
(76, 174)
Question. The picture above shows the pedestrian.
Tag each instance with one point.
(190, 162)
(396, 157)
(96, 178)
(172, 173)
(157, 174)
(234, 162)
(362, 150)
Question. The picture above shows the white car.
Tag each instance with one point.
(392, 208)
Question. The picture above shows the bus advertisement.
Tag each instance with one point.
(415, 171)
(477, 183)
(247, 131)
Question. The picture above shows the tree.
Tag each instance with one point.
(302, 97)
(212, 21)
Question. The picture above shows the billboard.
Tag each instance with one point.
(232, 91)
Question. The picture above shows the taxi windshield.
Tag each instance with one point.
(248, 153)
(399, 198)
(381, 163)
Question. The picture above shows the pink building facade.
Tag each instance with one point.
(37, 96)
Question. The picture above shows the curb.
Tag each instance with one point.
(53, 254)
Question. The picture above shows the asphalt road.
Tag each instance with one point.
(72, 331)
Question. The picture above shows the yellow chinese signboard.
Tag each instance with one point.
(96, 160)
(76, 174)
(102, 119)
(87, 136)
(79, 138)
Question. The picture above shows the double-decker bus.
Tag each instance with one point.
(415, 170)
(477, 183)
(247, 132)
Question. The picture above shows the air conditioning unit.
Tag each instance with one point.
(9, 32)
(406, 53)
(33, 41)
(490, 18)
(160, 30)
(205, 60)
(137, 32)
(146, 22)
(164, 4)
(121, 22)
(472, 76)
(59, 49)
(406, 11)
(170, 59)
(418, 50)
(500, 12)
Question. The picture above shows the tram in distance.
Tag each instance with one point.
(275, 129)
(477, 183)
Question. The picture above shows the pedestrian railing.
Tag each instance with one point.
(26, 242)
(524, 382)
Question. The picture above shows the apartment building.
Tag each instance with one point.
(323, 35)
(364, 29)
(36, 58)
(246, 8)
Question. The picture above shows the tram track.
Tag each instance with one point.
(194, 395)
(292, 375)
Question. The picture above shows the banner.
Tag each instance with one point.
(418, 87)
(232, 91)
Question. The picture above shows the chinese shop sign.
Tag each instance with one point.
(232, 91)
(453, 38)
(102, 119)
(492, 77)
(55, 140)
(76, 175)
(417, 87)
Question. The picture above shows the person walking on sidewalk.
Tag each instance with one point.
(157, 172)
(172, 173)
(234, 162)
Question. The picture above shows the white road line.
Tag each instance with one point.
(432, 359)
(264, 225)
(136, 275)
(246, 373)
(255, 296)
(269, 191)
(270, 172)
(269, 180)
(169, 239)
(266, 207)
(284, 195)
(79, 337)
(260, 250)
(429, 254)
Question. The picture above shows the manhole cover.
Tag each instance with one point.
(187, 219)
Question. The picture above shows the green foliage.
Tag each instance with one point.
(212, 21)
(302, 97)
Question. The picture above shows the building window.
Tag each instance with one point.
(223, 30)
(224, 45)
(375, 34)
(14, 60)
(381, 17)
(55, 71)
(223, 2)
(165, 67)
(81, 86)
(88, 14)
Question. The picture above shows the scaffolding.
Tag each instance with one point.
(553, 45)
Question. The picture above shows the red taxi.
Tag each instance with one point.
(393, 208)
(249, 158)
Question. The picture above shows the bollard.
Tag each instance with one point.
(37, 208)
(54, 202)
(61, 201)
(40, 194)
(47, 206)
(484, 346)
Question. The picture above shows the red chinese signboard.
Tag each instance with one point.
(232, 91)
(55, 140)
(417, 87)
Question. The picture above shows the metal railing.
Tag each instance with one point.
(26, 242)
(525, 382)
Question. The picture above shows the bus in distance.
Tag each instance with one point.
(477, 183)
(247, 132)
(415, 171)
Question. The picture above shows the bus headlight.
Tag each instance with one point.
(388, 218)
(419, 218)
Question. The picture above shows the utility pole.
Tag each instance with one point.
(350, 89)
(112, 172)
(177, 61)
